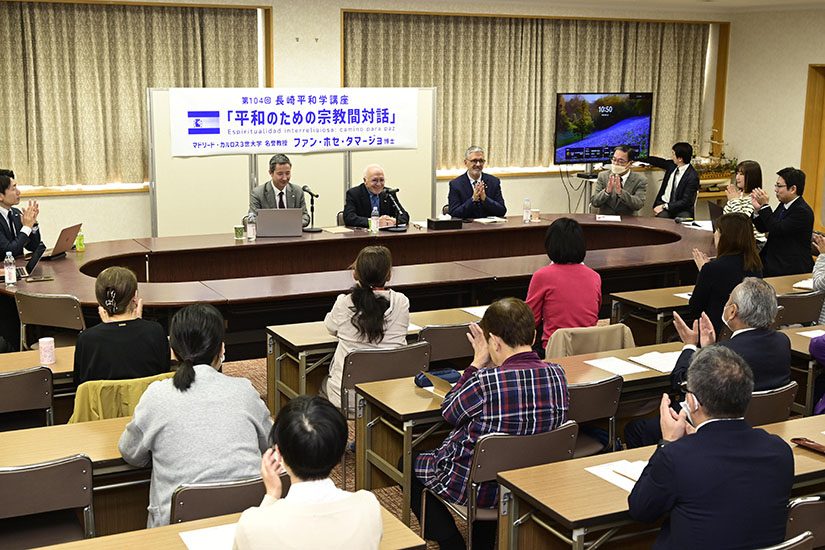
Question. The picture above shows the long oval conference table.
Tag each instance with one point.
(295, 279)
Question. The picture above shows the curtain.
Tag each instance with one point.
(497, 78)
(73, 94)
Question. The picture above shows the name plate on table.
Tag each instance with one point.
(435, 223)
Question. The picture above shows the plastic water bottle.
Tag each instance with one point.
(80, 242)
(374, 220)
(251, 228)
(525, 215)
(10, 270)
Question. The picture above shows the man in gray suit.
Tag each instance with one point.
(279, 193)
(620, 190)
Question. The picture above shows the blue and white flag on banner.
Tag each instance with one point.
(204, 122)
(245, 121)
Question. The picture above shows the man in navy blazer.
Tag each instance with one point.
(677, 195)
(360, 201)
(748, 313)
(18, 230)
(722, 484)
(790, 227)
(474, 194)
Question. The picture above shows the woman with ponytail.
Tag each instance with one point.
(200, 426)
(124, 345)
(371, 316)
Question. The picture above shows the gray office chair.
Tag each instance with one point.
(24, 396)
(805, 541)
(50, 310)
(595, 401)
(769, 406)
(206, 500)
(339, 218)
(807, 514)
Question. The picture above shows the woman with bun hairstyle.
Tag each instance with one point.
(200, 426)
(124, 345)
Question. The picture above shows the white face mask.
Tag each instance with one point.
(618, 170)
(725, 321)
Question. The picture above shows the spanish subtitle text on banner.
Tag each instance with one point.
(243, 121)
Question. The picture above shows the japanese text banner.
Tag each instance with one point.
(242, 121)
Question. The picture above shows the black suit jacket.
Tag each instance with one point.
(684, 198)
(767, 352)
(726, 486)
(20, 241)
(715, 281)
(460, 198)
(358, 208)
(788, 250)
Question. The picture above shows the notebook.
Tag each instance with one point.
(280, 222)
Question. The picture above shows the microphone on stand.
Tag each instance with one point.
(312, 197)
(398, 210)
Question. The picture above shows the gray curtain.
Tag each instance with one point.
(497, 77)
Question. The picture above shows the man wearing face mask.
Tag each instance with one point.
(748, 313)
(721, 483)
(620, 191)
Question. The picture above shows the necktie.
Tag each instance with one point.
(11, 224)
(782, 211)
(281, 200)
(673, 185)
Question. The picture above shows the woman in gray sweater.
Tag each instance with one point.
(200, 426)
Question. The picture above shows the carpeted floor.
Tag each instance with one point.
(389, 497)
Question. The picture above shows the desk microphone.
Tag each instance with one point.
(390, 190)
(306, 189)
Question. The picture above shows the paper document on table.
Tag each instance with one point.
(662, 361)
(338, 229)
(608, 218)
(413, 328)
(478, 311)
(490, 219)
(685, 295)
(615, 365)
(811, 333)
(702, 225)
(622, 473)
(805, 284)
(220, 537)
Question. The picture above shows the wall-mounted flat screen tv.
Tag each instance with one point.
(590, 126)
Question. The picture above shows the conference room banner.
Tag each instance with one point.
(233, 121)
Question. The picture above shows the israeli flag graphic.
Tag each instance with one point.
(204, 122)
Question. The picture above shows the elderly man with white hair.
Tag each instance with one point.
(371, 194)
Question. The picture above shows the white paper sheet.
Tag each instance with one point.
(609, 473)
(608, 218)
(701, 225)
(478, 311)
(805, 284)
(685, 295)
(615, 365)
(658, 360)
(413, 327)
(811, 333)
(219, 537)
(490, 219)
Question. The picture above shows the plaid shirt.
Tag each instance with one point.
(521, 397)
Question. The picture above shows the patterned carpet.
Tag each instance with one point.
(389, 497)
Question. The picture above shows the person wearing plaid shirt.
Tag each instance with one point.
(506, 389)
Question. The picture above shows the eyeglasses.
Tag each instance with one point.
(476, 161)
(620, 162)
(780, 185)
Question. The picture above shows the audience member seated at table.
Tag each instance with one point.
(308, 441)
(747, 178)
(507, 389)
(736, 258)
(721, 484)
(749, 314)
(200, 426)
(677, 195)
(18, 230)
(123, 345)
(620, 191)
(475, 194)
(370, 194)
(789, 228)
(566, 293)
(371, 316)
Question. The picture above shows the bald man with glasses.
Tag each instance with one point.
(620, 191)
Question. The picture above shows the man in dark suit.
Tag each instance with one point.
(722, 484)
(18, 230)
(748, 313)
(677, 195)
(474, 194)
(370, 194)
(279, 192)
(789, 228)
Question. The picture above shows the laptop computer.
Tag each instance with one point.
(715, 212)
(64, 243)
(280, 222)
(28, 270)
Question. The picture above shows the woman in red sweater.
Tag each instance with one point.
(566, 293)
